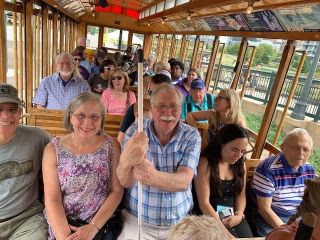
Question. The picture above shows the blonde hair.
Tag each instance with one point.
(233, 114)
(197, 228)
(162, 65)
(310, 200)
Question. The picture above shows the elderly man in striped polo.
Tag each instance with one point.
(278, 182)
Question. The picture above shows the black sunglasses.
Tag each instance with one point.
(116, 78)
(77, 59)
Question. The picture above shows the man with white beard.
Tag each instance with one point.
(164, 159)
(56, 91)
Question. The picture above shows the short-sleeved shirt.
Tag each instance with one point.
(115, 106)
(189, 105)
(54, 95)
(20, 164)
(179, 85)
(275, 178)
(160, 207)
(96, 81)
(128, 119)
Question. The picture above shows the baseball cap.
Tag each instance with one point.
(197, 84)
(9, 94)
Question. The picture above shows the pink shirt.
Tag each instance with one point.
(115, 106)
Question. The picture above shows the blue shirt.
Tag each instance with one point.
(189, 105)
(275, 178)
(54, 95)
(160, 207)
(85, 63)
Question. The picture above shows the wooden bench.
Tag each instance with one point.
(52, 121)
(251, 165)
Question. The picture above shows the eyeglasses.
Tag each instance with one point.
(218, 98)
(162, 107)
(108, 68)
(77, 59)
(116, 78)
(82, 117)
(298, 149)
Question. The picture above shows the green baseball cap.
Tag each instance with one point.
(9, 94)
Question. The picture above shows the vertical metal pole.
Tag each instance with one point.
(140, 129)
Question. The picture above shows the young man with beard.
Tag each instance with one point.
(164, 159)
(56, 91)
(21, 149)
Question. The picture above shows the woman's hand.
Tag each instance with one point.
(232, 221)
(85, 232)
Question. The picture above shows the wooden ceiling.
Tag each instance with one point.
(197, 8)
(203, 8)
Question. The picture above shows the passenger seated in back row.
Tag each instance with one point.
(278, 183)
(221, 180)
(56, 91)
(227, 109)
(21, 149)
(197, 100)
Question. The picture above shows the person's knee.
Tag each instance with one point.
(35, 228)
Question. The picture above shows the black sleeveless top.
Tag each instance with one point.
(227, 197)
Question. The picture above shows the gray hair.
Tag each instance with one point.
(77, 102)
(197, 227)
(70, 57)
(165, 87)
(298, 132)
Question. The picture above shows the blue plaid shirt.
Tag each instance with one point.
(160, 207)
(53, 95)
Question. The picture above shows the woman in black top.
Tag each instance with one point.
(220, 182)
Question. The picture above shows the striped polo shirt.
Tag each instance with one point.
(275, 178)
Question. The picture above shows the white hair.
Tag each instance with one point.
(298, 132)
(197, 228)
(71, 59)
(166, 87)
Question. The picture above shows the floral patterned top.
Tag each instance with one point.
(85, 179)
(115, 106)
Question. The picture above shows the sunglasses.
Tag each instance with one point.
(116, 78)
(77, 59)
(220, 98)
(108, 68)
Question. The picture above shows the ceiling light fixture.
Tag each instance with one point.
(149, 24)
(249, 9)
(163, 18)
(189, 16)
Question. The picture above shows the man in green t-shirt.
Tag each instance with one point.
(21, 149)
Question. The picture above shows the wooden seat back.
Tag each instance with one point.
(52, 121)
(251, 165)
(203, 130)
